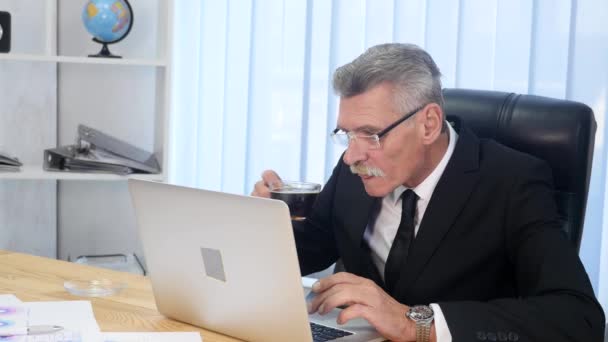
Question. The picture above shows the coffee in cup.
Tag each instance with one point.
(299, 196)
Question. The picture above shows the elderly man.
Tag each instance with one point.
(444, 236)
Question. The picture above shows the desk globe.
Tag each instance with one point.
(109, 21)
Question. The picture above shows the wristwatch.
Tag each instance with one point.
(423, 316)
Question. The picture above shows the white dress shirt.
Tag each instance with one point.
(381, 230)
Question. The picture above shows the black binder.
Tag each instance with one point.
(9, 162)
(96, 151)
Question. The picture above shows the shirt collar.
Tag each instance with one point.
(424, 190)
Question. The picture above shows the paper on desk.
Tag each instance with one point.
(153, 337)
(76, 318)
(13, 316)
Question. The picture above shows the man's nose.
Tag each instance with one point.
(354, 153)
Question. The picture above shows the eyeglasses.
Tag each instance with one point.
(372, 141)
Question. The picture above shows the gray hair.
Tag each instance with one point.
(411, 69)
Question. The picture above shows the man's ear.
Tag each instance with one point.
(433, 118)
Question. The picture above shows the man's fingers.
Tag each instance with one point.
(321, 298)
(270, 177)
(260, 190)
(262, 187)
(352, 312)
(342, 295)
(338, 278)
(341, 298)
(329, 286)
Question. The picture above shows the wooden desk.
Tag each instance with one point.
(33, 278)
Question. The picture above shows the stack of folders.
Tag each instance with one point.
(95, 151)
(8, 162)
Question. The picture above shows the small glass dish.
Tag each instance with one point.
(93, 288)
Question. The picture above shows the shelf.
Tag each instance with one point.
(35, 172)
(82, 60)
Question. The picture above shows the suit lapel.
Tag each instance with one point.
(357, 207)
(448, 199)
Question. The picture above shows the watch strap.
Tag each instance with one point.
(423, 331)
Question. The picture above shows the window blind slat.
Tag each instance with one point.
(513, 34)
(211, 94)
(477, 44)
(549, 61)
(236, 97)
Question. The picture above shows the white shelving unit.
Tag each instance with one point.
(81, 60)
(35, 172)
(48, 86)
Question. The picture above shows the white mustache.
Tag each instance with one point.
(365, 170)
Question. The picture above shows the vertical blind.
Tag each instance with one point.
(252, 88)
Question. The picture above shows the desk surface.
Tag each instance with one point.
(33, 278)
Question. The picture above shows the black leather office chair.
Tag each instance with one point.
(558, 131)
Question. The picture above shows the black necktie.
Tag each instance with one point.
(403, 239)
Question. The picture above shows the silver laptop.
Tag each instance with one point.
(228, 263)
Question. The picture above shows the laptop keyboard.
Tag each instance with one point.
(321, 333)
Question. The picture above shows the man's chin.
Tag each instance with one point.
(375, 186)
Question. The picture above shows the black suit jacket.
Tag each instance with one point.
(489, 250)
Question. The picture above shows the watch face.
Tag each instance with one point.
(420, 312)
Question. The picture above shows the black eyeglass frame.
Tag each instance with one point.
(391, 126)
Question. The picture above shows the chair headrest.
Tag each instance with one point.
(561, 132)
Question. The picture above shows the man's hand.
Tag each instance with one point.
(364, 299)
(262, 187)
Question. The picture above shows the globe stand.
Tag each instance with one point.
(105, 52)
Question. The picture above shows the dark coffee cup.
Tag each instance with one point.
(299, 196)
